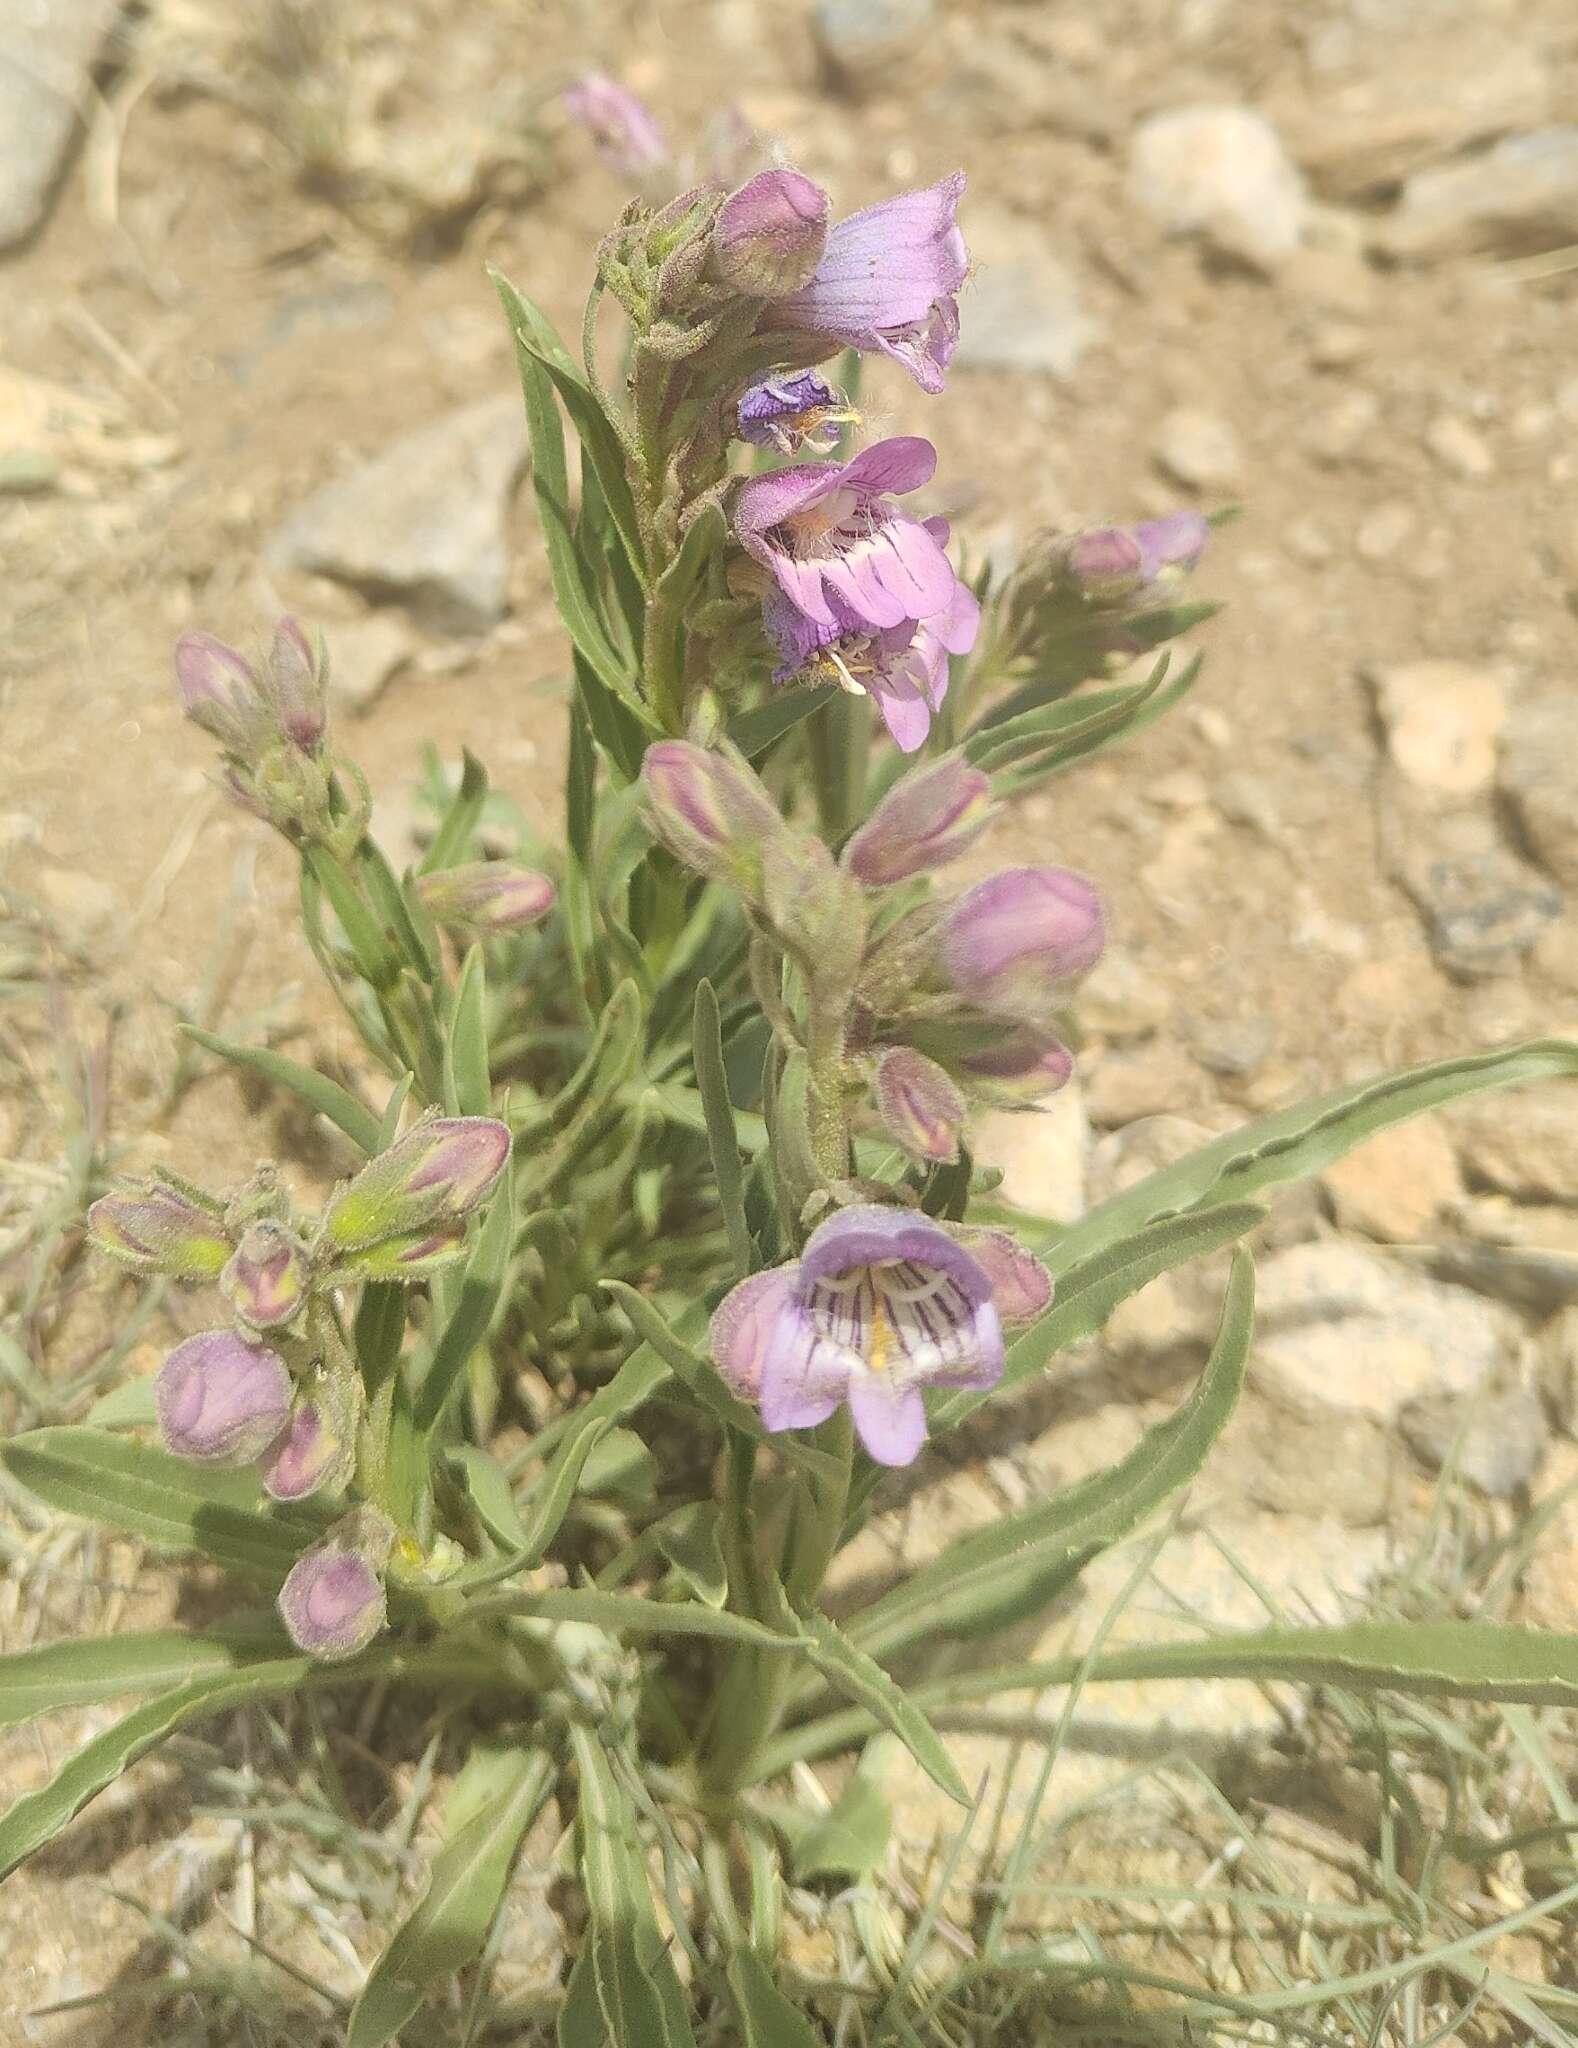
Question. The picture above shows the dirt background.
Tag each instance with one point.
(266, 264)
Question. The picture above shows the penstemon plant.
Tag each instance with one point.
(679, 1112)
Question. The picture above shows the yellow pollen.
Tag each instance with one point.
(880, 1350)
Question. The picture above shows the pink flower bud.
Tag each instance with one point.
(927, 819)
(1105, 564)
(1019, 1065)
(157, 1228)
(627, 137)
(710, 811)
(316, 1449)
(332, 1602)
(296, 686)
(429, 1181)
(769, 235)
(921, 1108)
(220, 692)
(1013, 942)
(1021, 1285)
(1173, 545)
(221, 1398)
(486, 897)
(266, 1279)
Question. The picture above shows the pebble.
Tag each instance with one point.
(1382, 532)
(1458, 448)
(1442, 721)
(1041, 1154)
(1024, 309)
(1496, 1441)
(47, 52)
(1339, 1328)
(1483, 907)
(1338, 345)
(1345, 426)
(1342, 1466)
(1525, 1144)
(1121, 1000)
(1398, 1185)
(1518, 198)
(1308, 541)
(1221, 172)
(1145, 1080)
(425, 521)
(1199, 449)
(1539, 778)
(1124, 1158)
(363, 655)
(1233, 1048)
(860, 41)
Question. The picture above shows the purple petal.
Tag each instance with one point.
(766, 501)
(803, 1378)
(905, 711)
(891, 1421)
(870, 1235)
(898, 465)
(743, 1326)
(886, 265)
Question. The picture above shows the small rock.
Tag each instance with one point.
(424, 522)
(859, 41)
(1524, 1144)
(1345, 427)
(1024, 310)
(1456, 446)
(1382, 532)
(1146, 1080)
(1309, 542)
(1220, 172)
(1041, 1152)
(1338, 345)
(1539, 777)
(1232, 1048)
(1339, 1328)
(1525, 1253)
(1197, 448)
(1483, 908)
(1495, 1441)
(1398, 1184)
(1125, 1157)
(1120, 1000)
(363, 655)
(1442, 719)
(47, 51)
(1518, 198)
(1345, 1466)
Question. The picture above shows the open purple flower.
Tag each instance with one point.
(795, 411)
(888, 282)
(880, 1304)
(866, 595)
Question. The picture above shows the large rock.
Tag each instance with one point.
(1495, 1441)
(1539, 776)
(425, 521)
(47, 52)
(1339, 1329)
(1399, 1184)
(1518, 199)
(1483, 907)
(1220, 172)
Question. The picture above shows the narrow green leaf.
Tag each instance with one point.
(698, 1373)
(994, 1570)
(548, 1510)
(642, 1617)
(851, 1671)
(83, 1671)
(375, 958)
(418, 943)
(327, 1097)
(722, 1143)
(850, 1839)
(452, 841)
(767, 2019)
(477, 1298)
(488, 1485)
(468, 1085)
(169, 1502)
(1069, 721)
(497, 1796)
(128, 1406)
(691, 1540)
(1075, 749)
(753, 732)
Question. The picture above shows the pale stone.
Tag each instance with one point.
(1518, 198)
(1398, 1184)
(1041, 1153)
(1119, 999)
(1382, 532)
(1140, 1081)
(1220, 171)
(1024, 309)
(1495, 1440)
(1458, 448)
(1442, 720)
(1539, 775)
(47, 51)
(363, 655)
(1525, 1144)
(1199, 448)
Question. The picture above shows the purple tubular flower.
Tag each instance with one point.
(265, 1281)
(792, 412)
(310, 1455)
(427, 1182)
(158, 1229)
(769, 235)
(867, 597)
(929, 818)
(486, 897)
(628, 138)
(1017, 1066)
(332, 1602)
(881, 1303)
(710, 810)
(920, 1107)
(1172, 546)
(221, 1399)
(888, 282)
(1012, 942)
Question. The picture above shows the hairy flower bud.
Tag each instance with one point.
(157, 1228)
(932, 816)
(921, 1108)
(221, 1398)
(1013, 942)
(220, 692)
(428, 1182)
(266, 1279)
(318, 1446)
(332, 1602)
(1015, 1066)
(297, 686)
(1105, 565)
(769, 235)
(486, 897)
(711, 812)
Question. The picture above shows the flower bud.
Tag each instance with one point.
(332, 1602)
(769, 235)
(1021, 1285)
(266, 1279)
(319, 1444)
(157, 1228)
(297, 686)
(411, 1257)
(1012, 942)
(429, 1181)
(627, 137)
(1018, 1066)
(220, 692)
(932, 816)
(1105, 565)
(221, 1398)
(710, 811)
(486, 897)
(921, 1108)
(1171, 547)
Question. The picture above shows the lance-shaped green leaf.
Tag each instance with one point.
(319, 1093)
(377, 960)
(635, 1615)
(724, 1146)
(168, 1501)
(665, 642)
(496, 1798)
(452, 841)
(690, 1540)
(476, 1302)
(1067, 721)
(1076, 747)
(83, 1671)
(527, 1537)
(851, 1838)
(849, 1670)
(754, 731)
(468, 1086)
(1001, 1570)
(676, 1348)
(767, 2019)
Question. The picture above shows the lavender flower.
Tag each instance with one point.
(157, 1228)
(221, 1398)
(486, 897)
(795, 411)
(1016, 1066)
(628, 139)
(309, 1456)
(1134, 567)
(1012, 943)
(265, 1281)
(332, 1602)
(769, 235)
(881, 1303)
(867, 596)
(427, 1183)
(929, 818)
(887, 282)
